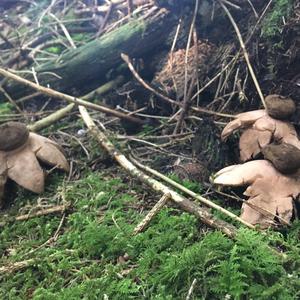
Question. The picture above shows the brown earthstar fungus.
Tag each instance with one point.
(270, 192)
(20, 153)
(272, 183)
(260, 131)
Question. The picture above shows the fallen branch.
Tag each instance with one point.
(87, 66)
(188, 92)
(55, 94)
(17, 266)
(152, 213)
(50, 119)
(61, 113)
(42, 212)
(192, 194)
(200, 212)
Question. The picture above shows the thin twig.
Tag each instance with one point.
(65, 31)
(46, 11)
(68, 98)
(12, 101)
(43, 212)
(148, 87)
(129, 7)
(52, 239)
(151, 214)
(243, 47)
(186, 93)
(191, 289)
(192, 194)
(253, 8)
(170, 61)
(142, 82)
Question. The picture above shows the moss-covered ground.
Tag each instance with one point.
(95, 255)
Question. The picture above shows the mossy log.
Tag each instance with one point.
(83, 69)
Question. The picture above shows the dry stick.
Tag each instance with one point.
(104, 22)
(17, 266)
(152, 213)
(46, 11)
(232, 5)
(129, 7)
(170, 61)
(68, 98)
(191, 289)
(148, 87)
(106, 87)
(192, 194)
(28, 97)
(141, 81)
(61, 113)
(253, 8)
(186, 93)
(52, 118)
(202, 213)
(42, 212)
(242, 44)
(65, 31)
(215, 77)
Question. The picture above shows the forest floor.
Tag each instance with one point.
(87, 249)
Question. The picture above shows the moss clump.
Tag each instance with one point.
(5, 108)
(273, 22)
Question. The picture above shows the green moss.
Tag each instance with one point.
(54, 49)
(97, 255)
(273, 22)
(5, 108)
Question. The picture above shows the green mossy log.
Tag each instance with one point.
(83, 69)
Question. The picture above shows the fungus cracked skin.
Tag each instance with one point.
(20, 153)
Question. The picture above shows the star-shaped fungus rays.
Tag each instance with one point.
(20, 153)
(270, 192)
(272, 183)
(260, 130)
